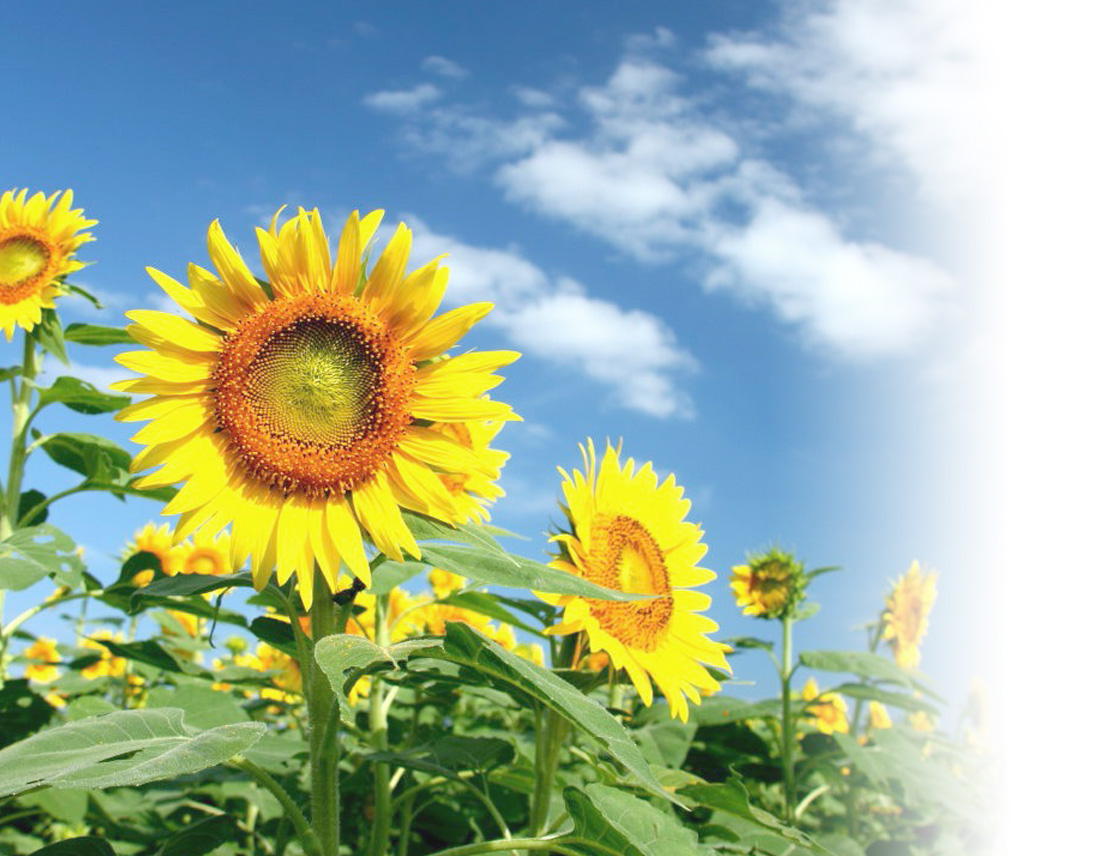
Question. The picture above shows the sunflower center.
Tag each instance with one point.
(312, 382)
(625, 556)
(202, 561)
(23, 259)
(313, 394)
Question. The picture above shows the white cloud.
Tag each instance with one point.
(443, 67)
(628, 350)
(656, 167)
(902, 72)
(403, 100)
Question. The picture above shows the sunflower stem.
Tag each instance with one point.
(9, 501)
(379, 729)
(324, 733)
(787, 731)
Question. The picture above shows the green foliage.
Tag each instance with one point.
(35, 552)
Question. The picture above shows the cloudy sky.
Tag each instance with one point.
(735, 237)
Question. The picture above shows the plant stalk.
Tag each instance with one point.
(379, 729)
(324, 746)
(787, 730)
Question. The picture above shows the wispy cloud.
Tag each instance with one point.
(101, 376)
(443, 67)
(648, 163)
(631, 352)
(403, 100)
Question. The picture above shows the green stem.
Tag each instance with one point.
(9, 500)
(787, 729)
(324, 746)
(379, 729)
(550, 732)
(306, 836)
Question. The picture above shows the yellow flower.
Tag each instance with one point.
(206, 554)
(301, 410)
(38, 240)
(445, 583)
(108, 664)
(905, 620)
(42, 660)
(921, 721)
(531, 651)
(287, 677)
(829, 709)
(879, 715)
(770, 585)
(627, 532)
(151, 539)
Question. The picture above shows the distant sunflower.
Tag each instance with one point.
(37, 245)
(829, 710)
(629, 533)
(156, 540)
(770, 585)
(206, 555)
(42, 661)
(905, 619)
(302, 411)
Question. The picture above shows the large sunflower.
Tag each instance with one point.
(628, 532)
(37, 243)
(302, 410)
(905, 619)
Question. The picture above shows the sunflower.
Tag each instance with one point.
(628, 533)
(474, 491)
(205, 555)
(156, 540)
(302, 410)
(42, 660)
(879, 716)
(37, 243)
(905, 619)
(770, 585)
(828, 709)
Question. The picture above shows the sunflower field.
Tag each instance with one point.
(396, 680)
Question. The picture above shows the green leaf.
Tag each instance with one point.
(34, 552)
(148, 651)
(126, 748)
(468, 647)
(732, 797)
(866, 665)
(81, 396)
(95, 457)
(68, 805)
(187, 585)
(666, 742)
(905, 702)
(82, 292)
(617, 822)
(10, 372)
(715, 710)
(22, 710)
(425, 528)
(388, 574)
(28, 500)
(201, 837)
(202, 707)
(276, 633)
(83, 846)
(94, 334)
(505, 569)
(489, 605)
(49, 335)
(342, 652)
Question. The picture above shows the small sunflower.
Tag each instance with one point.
(42, 661)
(829, 710)
(304, 411)
(770, 585)
(38, 240)
(206, 554)
(627, 532)
(879, 715)
(154, 539)
(905, 619)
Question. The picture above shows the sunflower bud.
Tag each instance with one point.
(770, 585)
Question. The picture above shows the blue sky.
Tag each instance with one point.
(734, 236)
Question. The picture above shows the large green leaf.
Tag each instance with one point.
(866, 665)
(202, 707)
(97, 458)
(615, 821)
(505, 569)
(869, 693)
(94, 334)
(22, 710)
(33, 552)
(83, 846)
(342, 653)
(128, 748)
(81, 396)
(731, 797)
(200, 837)
(481, 656)
(187, 585)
